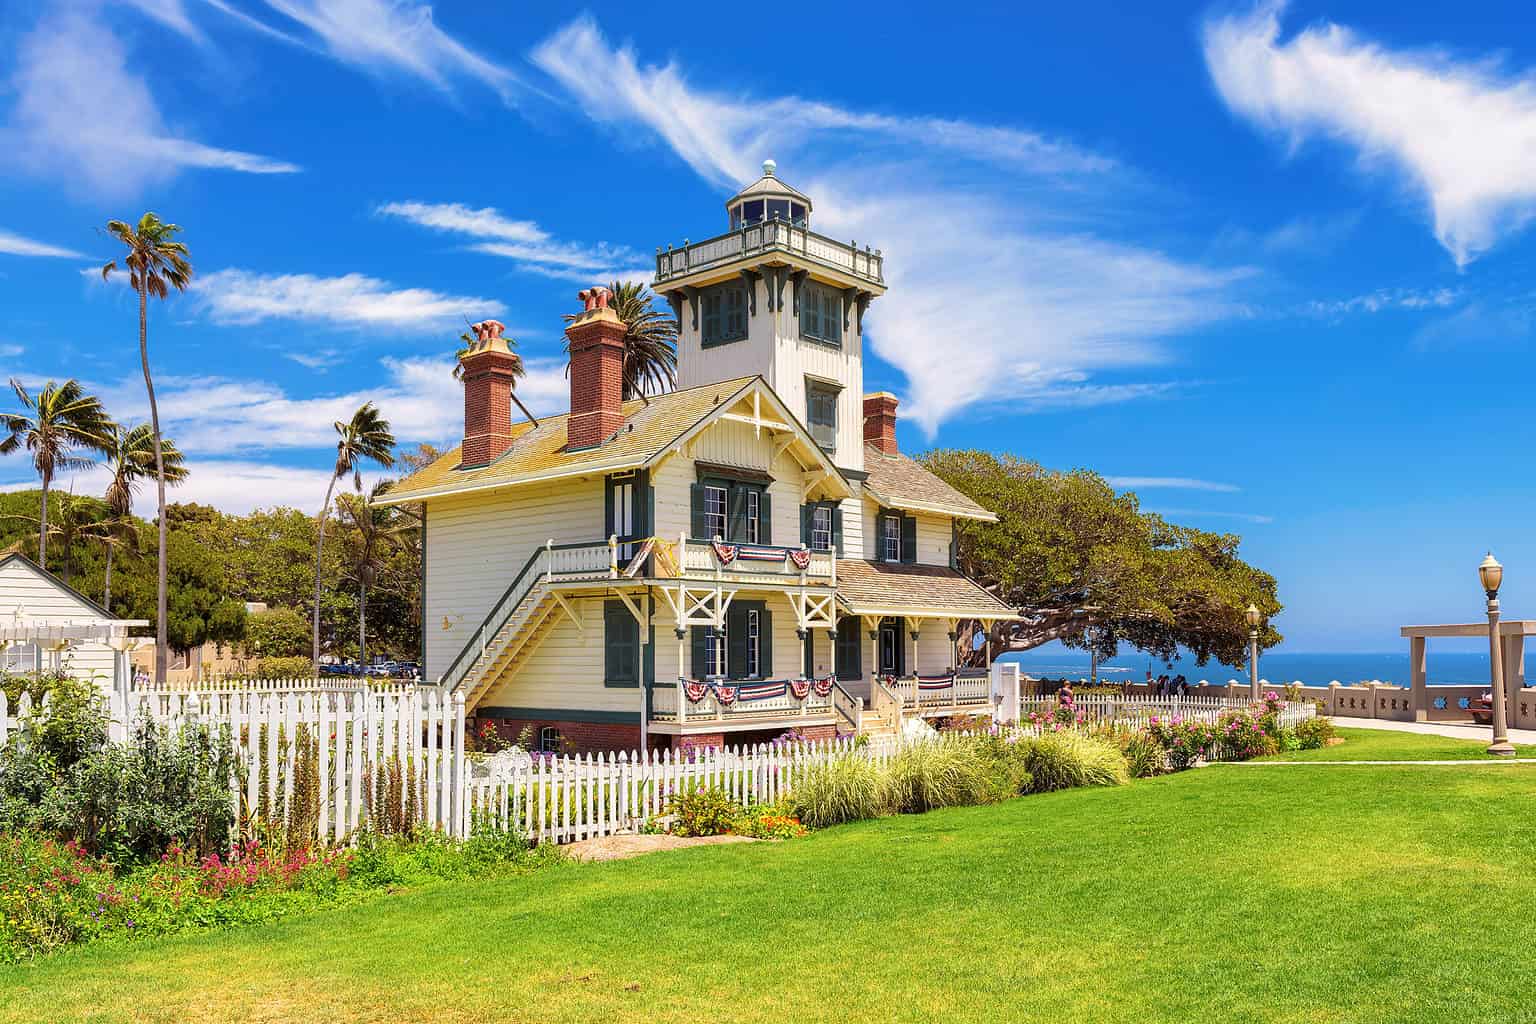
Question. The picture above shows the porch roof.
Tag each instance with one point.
(915, 591)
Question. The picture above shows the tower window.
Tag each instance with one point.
(752, 211)
(723, 311)
(821, 313)
(778, 209)
(821, 413)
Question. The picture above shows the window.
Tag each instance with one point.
(724, 313)
(821, 528)
(753, 520)
(890, 538)
(778, 209)
(752, 211)
(797, 214)
(621, 645)
(821, 412)
(821, 313)
(19, 658)
(714, 511)
(621, 512)
(754, 644)
(550, 740)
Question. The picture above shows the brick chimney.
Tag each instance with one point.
(490, 369)
(596, 339)
(880, 421)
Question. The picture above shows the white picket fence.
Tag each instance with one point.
(1098, 707)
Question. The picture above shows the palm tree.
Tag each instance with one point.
(78, 519)
(156, 263)
(650, 341)
(365, 436)
(132, 458)
(377, 531)
(56, 425)
(468, 341)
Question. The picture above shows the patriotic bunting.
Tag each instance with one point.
(726, 553)
(823, 687)
(801, 558)
(800, 688)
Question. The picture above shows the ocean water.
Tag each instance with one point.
(1448, 666)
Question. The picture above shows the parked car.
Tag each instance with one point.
(381, 670)
(1481, 708)
(408, 670)
(335, 668)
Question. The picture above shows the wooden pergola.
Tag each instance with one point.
(1512, 634)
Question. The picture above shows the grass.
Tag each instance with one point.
(1385, 745)
(1223, 894)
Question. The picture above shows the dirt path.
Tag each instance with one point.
(624, 847)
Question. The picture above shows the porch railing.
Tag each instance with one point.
(960, 690)
(770, 236)
(739, 700)
(701, 558)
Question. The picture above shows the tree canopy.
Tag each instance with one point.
(1087, 567)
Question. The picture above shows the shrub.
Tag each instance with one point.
(1241, 735)
(1062, 760)
(1184, 740)
(845, 788)
(703, 812)
(284, 668)
(1003, 761)
(770, 821)
(936, 774)
(1314, 733)
(36, 685)
(130, 802)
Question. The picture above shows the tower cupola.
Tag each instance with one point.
(769, 198)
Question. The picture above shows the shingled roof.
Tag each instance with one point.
(539, 452)
(884, 588)
(897, 482)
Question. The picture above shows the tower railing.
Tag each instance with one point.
(770, 236)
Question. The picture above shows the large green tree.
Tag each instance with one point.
(60, 426)
(156, 264)
(200, 608)
(1084, 565)
(372, 533)
(364, 437)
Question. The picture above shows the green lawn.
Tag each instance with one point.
(1384, 745)
(1224, 894)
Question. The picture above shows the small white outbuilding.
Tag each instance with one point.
(46, 626)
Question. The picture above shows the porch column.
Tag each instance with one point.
(1513, 647)
(1417, 671)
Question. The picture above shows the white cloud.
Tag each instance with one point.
(524, 242)
(352, 300)
(81, 114)
(8, 351)
(1461, 134)
(1182, 483)
(1201, 513)
(16, 245)
(393, 36)
(218, 416)
(978, 267)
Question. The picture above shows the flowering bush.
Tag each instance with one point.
(1242, 735)
(703, 812)
(1314, 733)
(770, 821)
(1185, 740)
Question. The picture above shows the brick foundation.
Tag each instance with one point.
(579, 737)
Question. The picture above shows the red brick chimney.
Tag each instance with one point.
(880, 421)
(490, 372)
(596, 339)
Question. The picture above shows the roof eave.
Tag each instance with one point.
(448, 490)
(938, 508)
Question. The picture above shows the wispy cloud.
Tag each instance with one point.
(523, 241)
(9, 351)
(1182, 483)
(1461, 134)
(986, 265)
(63, 126)
(16, 245)
(349, 301)
(1386, 300)
(1299, 236)
(1204, 513)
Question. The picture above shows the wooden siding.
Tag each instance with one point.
(476, 544)
(933, 535)
(47, 601)
(566, 669)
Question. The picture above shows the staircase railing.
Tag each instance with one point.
(848, 707)
(538, 566)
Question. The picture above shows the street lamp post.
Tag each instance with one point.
(1491, 574)
(1252, 614)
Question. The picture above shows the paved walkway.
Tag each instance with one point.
(1459, 730)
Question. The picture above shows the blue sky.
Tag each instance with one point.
(1267, 265)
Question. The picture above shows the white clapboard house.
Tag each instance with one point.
(746, 554)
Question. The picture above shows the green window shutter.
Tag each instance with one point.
(736, 312)
(808, 661)
(837, 529)
(832, 316)
(607, 507)
(765, 642)
(621, 644)
(643, 499)
(901, 647)
(807, 513)
(954, 544)
(699, 636)
(696, 527)
(764, 517)
(736, 642)
(736, 513)
(807, 314)
(908, 539)
(848, 651)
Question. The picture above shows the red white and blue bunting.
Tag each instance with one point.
(800, 688)
(801, 557)
(823, 686)
(726, 553)
(935, 682)
(696, 690)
